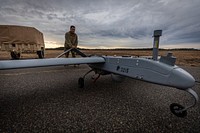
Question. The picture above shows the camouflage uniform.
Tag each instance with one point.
(71, 39)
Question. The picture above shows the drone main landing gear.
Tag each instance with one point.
(81, 80)
(181, 111)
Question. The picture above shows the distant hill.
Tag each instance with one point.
(142, 49)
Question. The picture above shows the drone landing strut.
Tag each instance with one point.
(181, 111)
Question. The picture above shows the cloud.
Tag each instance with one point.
(108, 23)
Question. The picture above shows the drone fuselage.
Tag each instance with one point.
(147, 69)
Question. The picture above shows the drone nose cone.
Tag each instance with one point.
(181, 79)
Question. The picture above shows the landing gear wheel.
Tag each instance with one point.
(176, 110)
(81, 82)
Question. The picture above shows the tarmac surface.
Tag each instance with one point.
(48, 100)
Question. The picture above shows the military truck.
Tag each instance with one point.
(21, 39)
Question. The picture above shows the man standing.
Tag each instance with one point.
(71, 41)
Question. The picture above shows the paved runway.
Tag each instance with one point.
(49, 100)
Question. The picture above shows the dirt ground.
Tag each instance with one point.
(184, 57)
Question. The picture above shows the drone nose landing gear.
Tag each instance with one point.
(178, 110)
(181, 111)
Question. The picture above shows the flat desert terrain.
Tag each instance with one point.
(184, 57)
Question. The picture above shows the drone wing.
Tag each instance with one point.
(14, 64)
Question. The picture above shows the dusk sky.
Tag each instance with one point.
(109, 23)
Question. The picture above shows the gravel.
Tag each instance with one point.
(49, 100)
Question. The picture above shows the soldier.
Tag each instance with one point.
(71, 41)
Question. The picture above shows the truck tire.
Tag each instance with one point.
(40, 54)
(15, 55)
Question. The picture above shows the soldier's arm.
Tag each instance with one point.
(67, 41)
(76, 41)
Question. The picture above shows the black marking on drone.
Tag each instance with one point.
(122, 69)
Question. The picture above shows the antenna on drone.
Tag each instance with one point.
(156, 35)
